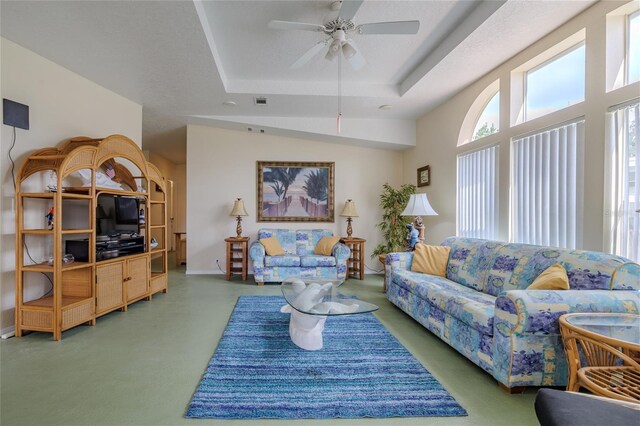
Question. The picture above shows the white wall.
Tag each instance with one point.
(180, 198)
(61, 105)
(438, 132)
(222, 167)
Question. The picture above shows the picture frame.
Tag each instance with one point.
(295, 191)
(424, 176)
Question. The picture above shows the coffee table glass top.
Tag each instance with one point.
(622, 327)
(321, 297)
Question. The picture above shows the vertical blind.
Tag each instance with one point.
(477, 214)
(547, 185)
(622, 185)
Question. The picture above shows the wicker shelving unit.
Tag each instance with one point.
(84, 290)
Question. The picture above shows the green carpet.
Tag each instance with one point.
(141, 367)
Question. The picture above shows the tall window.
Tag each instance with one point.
(623, 183)
(555, 84)
(477, 214)
(547, 192)
(489, 121)
(633, 48)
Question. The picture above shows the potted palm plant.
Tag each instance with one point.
(393, 201)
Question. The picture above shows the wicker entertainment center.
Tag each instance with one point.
(119, 264)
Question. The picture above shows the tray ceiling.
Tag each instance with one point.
(182, 59)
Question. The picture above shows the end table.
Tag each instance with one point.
(383, 259)
(237, 248)
(355, 263)
(181, 248)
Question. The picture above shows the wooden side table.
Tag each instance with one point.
(355, 263)
(383, 259)
(181, 248)
(237, 255)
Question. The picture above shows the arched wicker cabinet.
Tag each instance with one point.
(81, 291)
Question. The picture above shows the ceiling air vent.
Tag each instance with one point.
(260, 101)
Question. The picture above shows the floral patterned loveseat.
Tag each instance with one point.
(483, 310)
(299, 259)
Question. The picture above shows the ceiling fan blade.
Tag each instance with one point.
(357, 61)
(287, 25)
(308, 55)
(349, 8)
(396, 27)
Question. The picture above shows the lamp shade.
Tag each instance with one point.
(418, 205)
(238, 208)
(349, 209)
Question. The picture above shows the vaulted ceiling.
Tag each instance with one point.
(182, 59)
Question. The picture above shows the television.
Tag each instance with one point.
(126, 211)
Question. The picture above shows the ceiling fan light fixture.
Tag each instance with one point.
(331, 54)
(335, 46)
(348, 50)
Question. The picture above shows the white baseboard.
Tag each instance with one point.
(7, 332)
(218, 272)
(203, 272)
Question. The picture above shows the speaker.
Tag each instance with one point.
(15, 114)
(79, 249)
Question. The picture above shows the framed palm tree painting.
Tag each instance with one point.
(295, 191)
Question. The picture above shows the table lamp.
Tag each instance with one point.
(418, 206)
(239, 211)
(349, 211)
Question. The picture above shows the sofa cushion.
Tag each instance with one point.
(325, 245)
(469, 306)
(271, 246)
(472, 307)
(307, 239)
(553, 278)
(470, 260)
(317, 260)
(282, 260)
(416, 282)
(516, 266)
(430, 260)
(286, 238)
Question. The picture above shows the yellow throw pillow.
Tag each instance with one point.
(272, 246)
(430, 260)
(325, 245)
(553, 278)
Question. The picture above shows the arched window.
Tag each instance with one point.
(483, 117)
(489, 121)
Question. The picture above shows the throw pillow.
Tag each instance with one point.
(272, 246)
(430, 260)
(325, 245)
(553, 278)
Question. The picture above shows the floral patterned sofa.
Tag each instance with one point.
(483, 310)
(299, 259)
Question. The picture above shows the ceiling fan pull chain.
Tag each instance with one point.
(339, 90)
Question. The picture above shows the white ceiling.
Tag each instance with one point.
(182, 59)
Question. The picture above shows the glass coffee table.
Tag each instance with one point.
(603, 350)
(310, 302)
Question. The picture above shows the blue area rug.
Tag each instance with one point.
(362, 371)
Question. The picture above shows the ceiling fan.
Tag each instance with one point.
(339, 29)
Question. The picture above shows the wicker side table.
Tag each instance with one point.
(610, 345)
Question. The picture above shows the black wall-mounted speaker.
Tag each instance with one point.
(15, 114)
